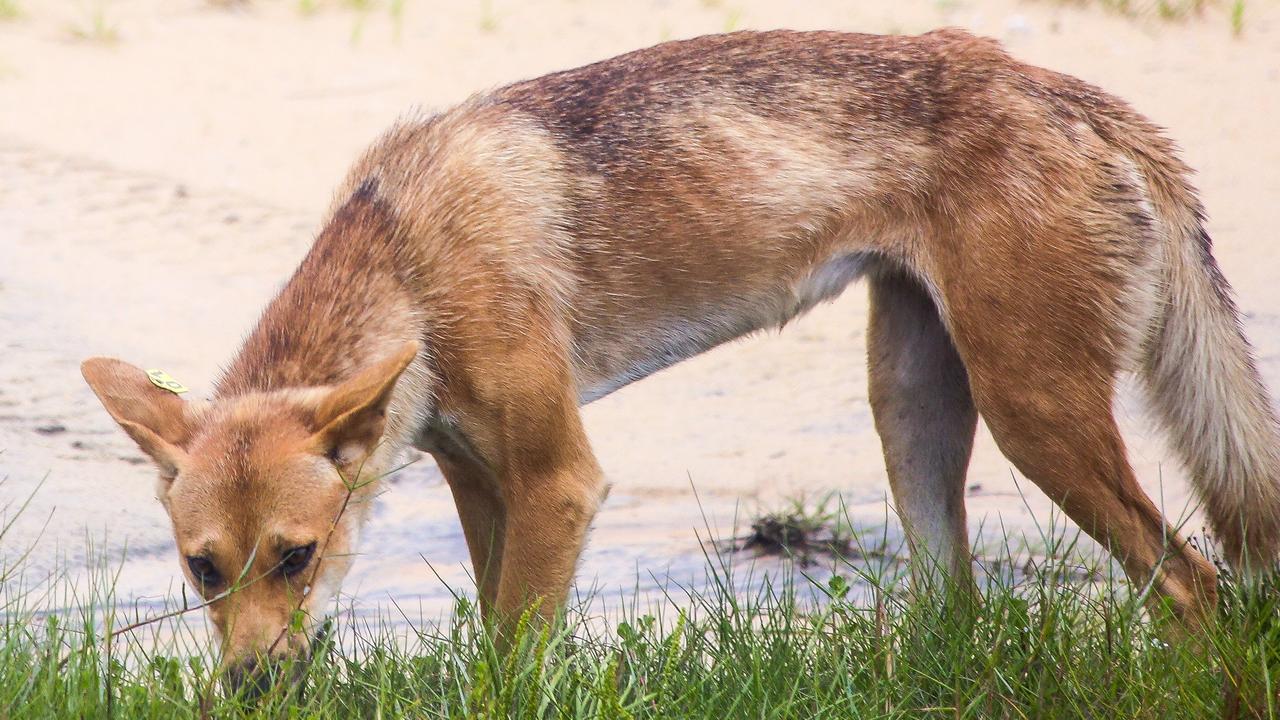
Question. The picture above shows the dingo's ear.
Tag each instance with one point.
(351, 418)
(156, 419)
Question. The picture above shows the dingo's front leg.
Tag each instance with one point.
(550, 502)
(483, 518)
(518, 411)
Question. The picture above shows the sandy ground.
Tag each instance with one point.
(155, 190)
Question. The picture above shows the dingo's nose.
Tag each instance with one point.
(252, 677)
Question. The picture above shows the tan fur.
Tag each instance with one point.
(1028, 238)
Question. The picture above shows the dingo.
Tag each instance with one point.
(486, 271)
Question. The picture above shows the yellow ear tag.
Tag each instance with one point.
(161, 379)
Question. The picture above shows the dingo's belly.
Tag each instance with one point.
(608, 358)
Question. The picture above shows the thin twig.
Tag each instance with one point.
(352, 487)
(186, 608)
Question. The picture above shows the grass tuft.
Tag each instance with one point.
(1169, 10)
(488, 18)
(1237, 18)
(95, 27)
(732, 20)
(800, 530)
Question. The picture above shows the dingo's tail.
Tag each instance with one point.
(1198, 367)
(1203, 383)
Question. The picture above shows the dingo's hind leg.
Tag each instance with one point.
(925, 417)
(1042, 344)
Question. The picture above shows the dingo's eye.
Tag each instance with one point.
(297, 559)
(203, 570)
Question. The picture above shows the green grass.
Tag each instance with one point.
(1170, 10)
(1237, 17)
(1038, 649)
(10, 10)
(732, 20)
(1163, 9)
(1040, 644)
(488, 18)
(361, 10)
(94, 26)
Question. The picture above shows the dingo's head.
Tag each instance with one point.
(266, 492)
